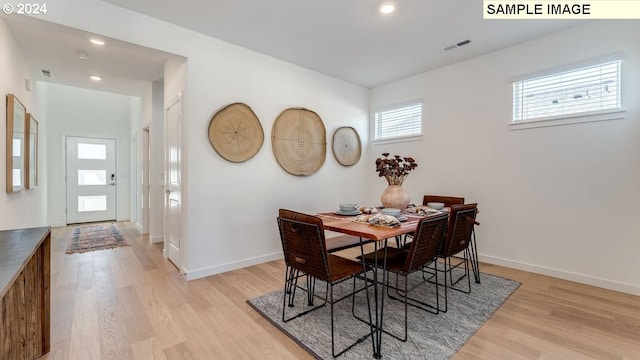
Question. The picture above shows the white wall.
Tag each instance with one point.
(156, 164)
(230, 217)
(558, 200)
(74, 111)
(26, 208)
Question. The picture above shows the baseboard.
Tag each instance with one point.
(57, 224)
(156, 239)
(213, 270)
(139, 227)
(562, 274)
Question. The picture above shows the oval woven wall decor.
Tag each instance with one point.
(235, 132)
(299, 141)
(346, 146)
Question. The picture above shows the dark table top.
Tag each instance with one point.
(16, 248)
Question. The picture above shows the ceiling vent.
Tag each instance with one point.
(461, 43)
(46, 73)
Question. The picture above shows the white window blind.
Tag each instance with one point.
(583, 90)
(398, 121)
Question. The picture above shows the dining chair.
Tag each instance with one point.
(422, 251)
(446, 200)
(456, 246)
(305, 255)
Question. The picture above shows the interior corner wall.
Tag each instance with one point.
(137, 112)
(80, 112)
(560, 201)
(26, 208)
(156, 164)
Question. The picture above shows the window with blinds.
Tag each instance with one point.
(585, 90)
(398, 121)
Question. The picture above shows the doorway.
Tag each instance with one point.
(91, 179)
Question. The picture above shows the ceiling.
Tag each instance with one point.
(125, 68)
(346, 39)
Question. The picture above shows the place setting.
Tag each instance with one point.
(348, 209)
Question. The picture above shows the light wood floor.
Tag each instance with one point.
(130, 303)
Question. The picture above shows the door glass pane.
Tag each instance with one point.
(17, 177)
(92, 203)
(17, 147)
(92, 151)
(92, 177)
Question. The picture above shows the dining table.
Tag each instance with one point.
(380, 235)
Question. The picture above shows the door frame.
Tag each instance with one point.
(183, 242)
(64, 172)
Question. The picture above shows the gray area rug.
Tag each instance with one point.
(430, 336)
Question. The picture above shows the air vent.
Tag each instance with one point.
(461, 43)
(46, 73)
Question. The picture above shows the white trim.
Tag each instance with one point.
(156, 239)
(568, 119)
(565, 275)
(397, 139)
(213, 270)
(139, 227)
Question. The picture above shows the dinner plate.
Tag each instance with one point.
(349, 213)
(402, 218)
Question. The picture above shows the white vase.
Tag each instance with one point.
(395, 196)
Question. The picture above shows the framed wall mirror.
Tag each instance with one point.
(16, 144)
(31, 175)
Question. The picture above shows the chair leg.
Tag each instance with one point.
(474, 258)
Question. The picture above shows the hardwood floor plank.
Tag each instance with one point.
(148, 349)
(85, 333)
(113, 340)
(137, 323)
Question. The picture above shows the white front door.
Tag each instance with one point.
(173, 203)
(91, 179)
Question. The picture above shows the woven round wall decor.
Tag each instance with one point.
(235, 132)
(299, 141)
(346, 146)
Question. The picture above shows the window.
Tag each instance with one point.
(585, 90)
(398, 121)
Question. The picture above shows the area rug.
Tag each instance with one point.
(95, 237)
(429, 336)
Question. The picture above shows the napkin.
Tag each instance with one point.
(379, 219)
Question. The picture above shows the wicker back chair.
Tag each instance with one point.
(305, 255)
(462, 219)
(422, 251)
(446, 200)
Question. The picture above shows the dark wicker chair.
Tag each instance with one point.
(446, 200)
(422, 251)
(305, 255)
(456, 246)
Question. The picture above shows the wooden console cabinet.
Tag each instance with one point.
(25, 305)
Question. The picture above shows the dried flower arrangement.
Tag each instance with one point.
(395, 169)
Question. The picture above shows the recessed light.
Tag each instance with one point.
(95, 77)
(387, 8)
(83, 55)
(96, 41)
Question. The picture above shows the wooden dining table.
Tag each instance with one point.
(379, 235)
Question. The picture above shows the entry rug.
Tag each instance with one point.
(430, 336)
(95, 237)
